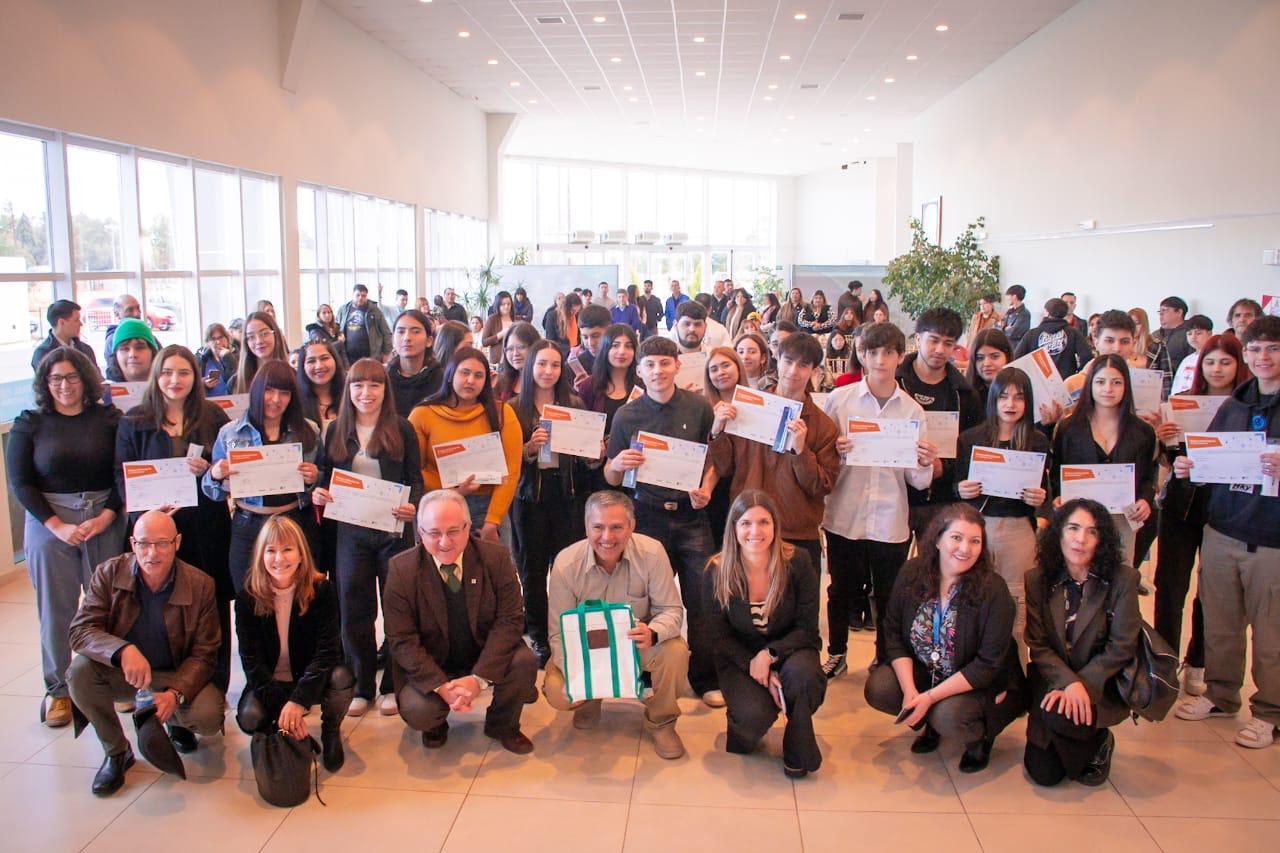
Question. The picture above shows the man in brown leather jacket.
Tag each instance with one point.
(148, 620)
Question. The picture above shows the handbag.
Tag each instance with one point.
(600, 661)
(283, 767)
(1148, 685)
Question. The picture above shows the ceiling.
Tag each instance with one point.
(704, 83)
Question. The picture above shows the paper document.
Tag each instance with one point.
(576, 432)
(366, 501)
(234, 405)
(271, 469)
(763, 417)
(1046, 383)
(943, 430)
(153, 483)
(1226, 457)
(1191, 414)
(1147, 388)
(692, 375)
(670, 462)
(480, 455)
(125, 395)
(883, 442)
(1113, 486)
(1006, 473)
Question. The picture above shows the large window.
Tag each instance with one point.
(346, 239)
(728, 220)
(27, 265)
(455, 250)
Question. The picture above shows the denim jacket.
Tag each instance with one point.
(241, 433)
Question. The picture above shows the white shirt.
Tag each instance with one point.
(716, 336)
(871, 503)
(1185, 376)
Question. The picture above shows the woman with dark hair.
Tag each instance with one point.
(1184, 511)
(60, 458)
(562, 323)
(1010, 522)
(608, 387)
(761, 597)
(274, 416)
(769, 311)
(815, 318)
(287, 628)
(464, 407)
(1082, 629)
(949, 642)
(515, 349)
(173, 417)
(874, 302)
(449, 336)
(989, 353)
(738, 312)
(496, 326)
(326, 329)
(790, 311)
(320, 381)
(1104, 429)
(547, 513)
(262, 341)
(753, 351)
(370, 439)
(217, 360)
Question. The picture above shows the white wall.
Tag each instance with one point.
(835, 215)
(1133, 113)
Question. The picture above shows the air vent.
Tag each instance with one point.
(552, 19)
(808, 85)
(850, 16)
(591, 88)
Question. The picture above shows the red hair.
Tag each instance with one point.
(1230, 345)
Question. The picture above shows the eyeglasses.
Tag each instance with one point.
(68, 379)
(150, 545)
(438, 535)
(1272, 351)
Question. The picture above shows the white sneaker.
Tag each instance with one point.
(387, 705)
(358, 707)
(713, 699)
(1256, 734)
(1199, 708)
(1193, 681)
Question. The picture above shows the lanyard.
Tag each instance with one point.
(939, 614)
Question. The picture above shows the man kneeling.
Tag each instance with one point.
(616, 564)
(148, 620)
(454, 620)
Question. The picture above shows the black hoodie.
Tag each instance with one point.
(952, 394)
(1242, 512)
(412, 390)
(1066, 346)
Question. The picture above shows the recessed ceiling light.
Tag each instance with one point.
(424, 1)
(699, 39)
(515, 84)
(533, 100)
(773, 85)
(463, 34)
(599, 19)
(911, 57)
(786, 57)
(791, 118)
(942, 28)
(800, 16)
(888, 79)
(615, 59)
(633, 99)
(493, 62)
(702, 118)
(871, 97)
(626, 88)
(699, 74)
(768, 97)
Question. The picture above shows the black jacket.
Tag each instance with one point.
(1068, 348)
(411, 390)
(994, 507)
(405, 469)
(1017, 321)
(793, 625)
(50, 343)
(315, 647)
(957, 395)
(1073, 444)
(1246, 516)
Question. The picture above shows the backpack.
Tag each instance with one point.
(1148, 685)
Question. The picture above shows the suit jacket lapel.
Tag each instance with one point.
(472, 576)
(1090, 606)
(1058, 608)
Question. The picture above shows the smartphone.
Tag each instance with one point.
(214, 373)
(902, 716)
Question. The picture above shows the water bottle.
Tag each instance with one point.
(143, 698)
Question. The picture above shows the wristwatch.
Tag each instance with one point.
(178, 694)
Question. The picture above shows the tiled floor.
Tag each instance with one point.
(1177, 786)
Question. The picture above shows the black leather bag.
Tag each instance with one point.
(283, 767)
(1149, 684)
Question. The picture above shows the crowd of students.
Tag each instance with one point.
(984, 607)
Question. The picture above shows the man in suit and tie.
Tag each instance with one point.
(454, 619)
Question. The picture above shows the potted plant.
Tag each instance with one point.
(766, 280)
(932, 276)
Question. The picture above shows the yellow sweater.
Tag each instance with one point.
(438, 424)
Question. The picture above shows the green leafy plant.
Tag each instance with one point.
(932, 276)
(521, 257)
(480, 293)
(765, 280)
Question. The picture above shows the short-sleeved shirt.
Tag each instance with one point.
(686, 416)
(357, 333)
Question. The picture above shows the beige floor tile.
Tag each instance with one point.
(689, 828)
(876, 775)
(845, 711)
(228, 810)
(7, 767)
(695, 716)
(537, 826)
(1192, 780)
(1265, 761)
(20, 671)
(24, 735)
(709, 776)
(1171, 729)
(1197, 835)
(1016, 833)
(382, 752)
(388, 820)
(900, 832)
(51, 808)
(18, 590)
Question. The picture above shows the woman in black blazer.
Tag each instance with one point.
(764, 632)
(1082, 629)
(172, 417)
(949, 641)
(284, 594)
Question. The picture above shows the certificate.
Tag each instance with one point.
(480, 455)
(1226, 457)
(1006, 473)
(154, 483)
(692, 375)
(1271, 305)
(1191, 414)
(763, 417)
(234, 405)
(1113, 486)
(1147, 388)
(576, 432)
(636, 393)
(366, 501)
(883, 442)
(943, 431)
(1046, 383)
(125, 395)
(670, 462)
(271, 469)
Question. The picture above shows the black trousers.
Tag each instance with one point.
(543, 530)
(965, 717)
(425, 712)
(1179, 544)
(1146, 535)
(1057, 748)
(718, 510)
(259, 709)
(362, 557)
(812, 547)
(859, 567)
(752, 711)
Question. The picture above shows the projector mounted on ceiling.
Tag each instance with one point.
(675, 238)
(582, 236)
(646, 238)
(612, 237)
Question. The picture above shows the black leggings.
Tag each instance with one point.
(544, 529)
(859, 567)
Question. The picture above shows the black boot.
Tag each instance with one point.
(332, 754)
(977, 756)
(1095, 773)
(927, 741)
(110, 776)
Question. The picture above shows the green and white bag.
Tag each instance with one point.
(600, 660)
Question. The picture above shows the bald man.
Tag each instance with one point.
(148, 620)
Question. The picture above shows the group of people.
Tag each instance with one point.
(984, 607)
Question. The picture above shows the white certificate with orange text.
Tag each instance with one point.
(1113, 485)
(270, 469)
(481, 455)
(366, 501)
(883, 442)
(153, 483)
(1006, 473)
(671, 462)
(763, 417)
(1226, 457)
(1046, 382)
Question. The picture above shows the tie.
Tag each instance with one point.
(451, 578)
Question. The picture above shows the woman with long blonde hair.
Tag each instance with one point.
(761, 598)
(287, 628)
(1142, 339)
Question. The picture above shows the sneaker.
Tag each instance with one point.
(358, 708)
(1256, 734)
(666, 743)
(58, 712)
(387, 705)
(1199, 708)
(835, 665)
(713, 699)
(1193, 681)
